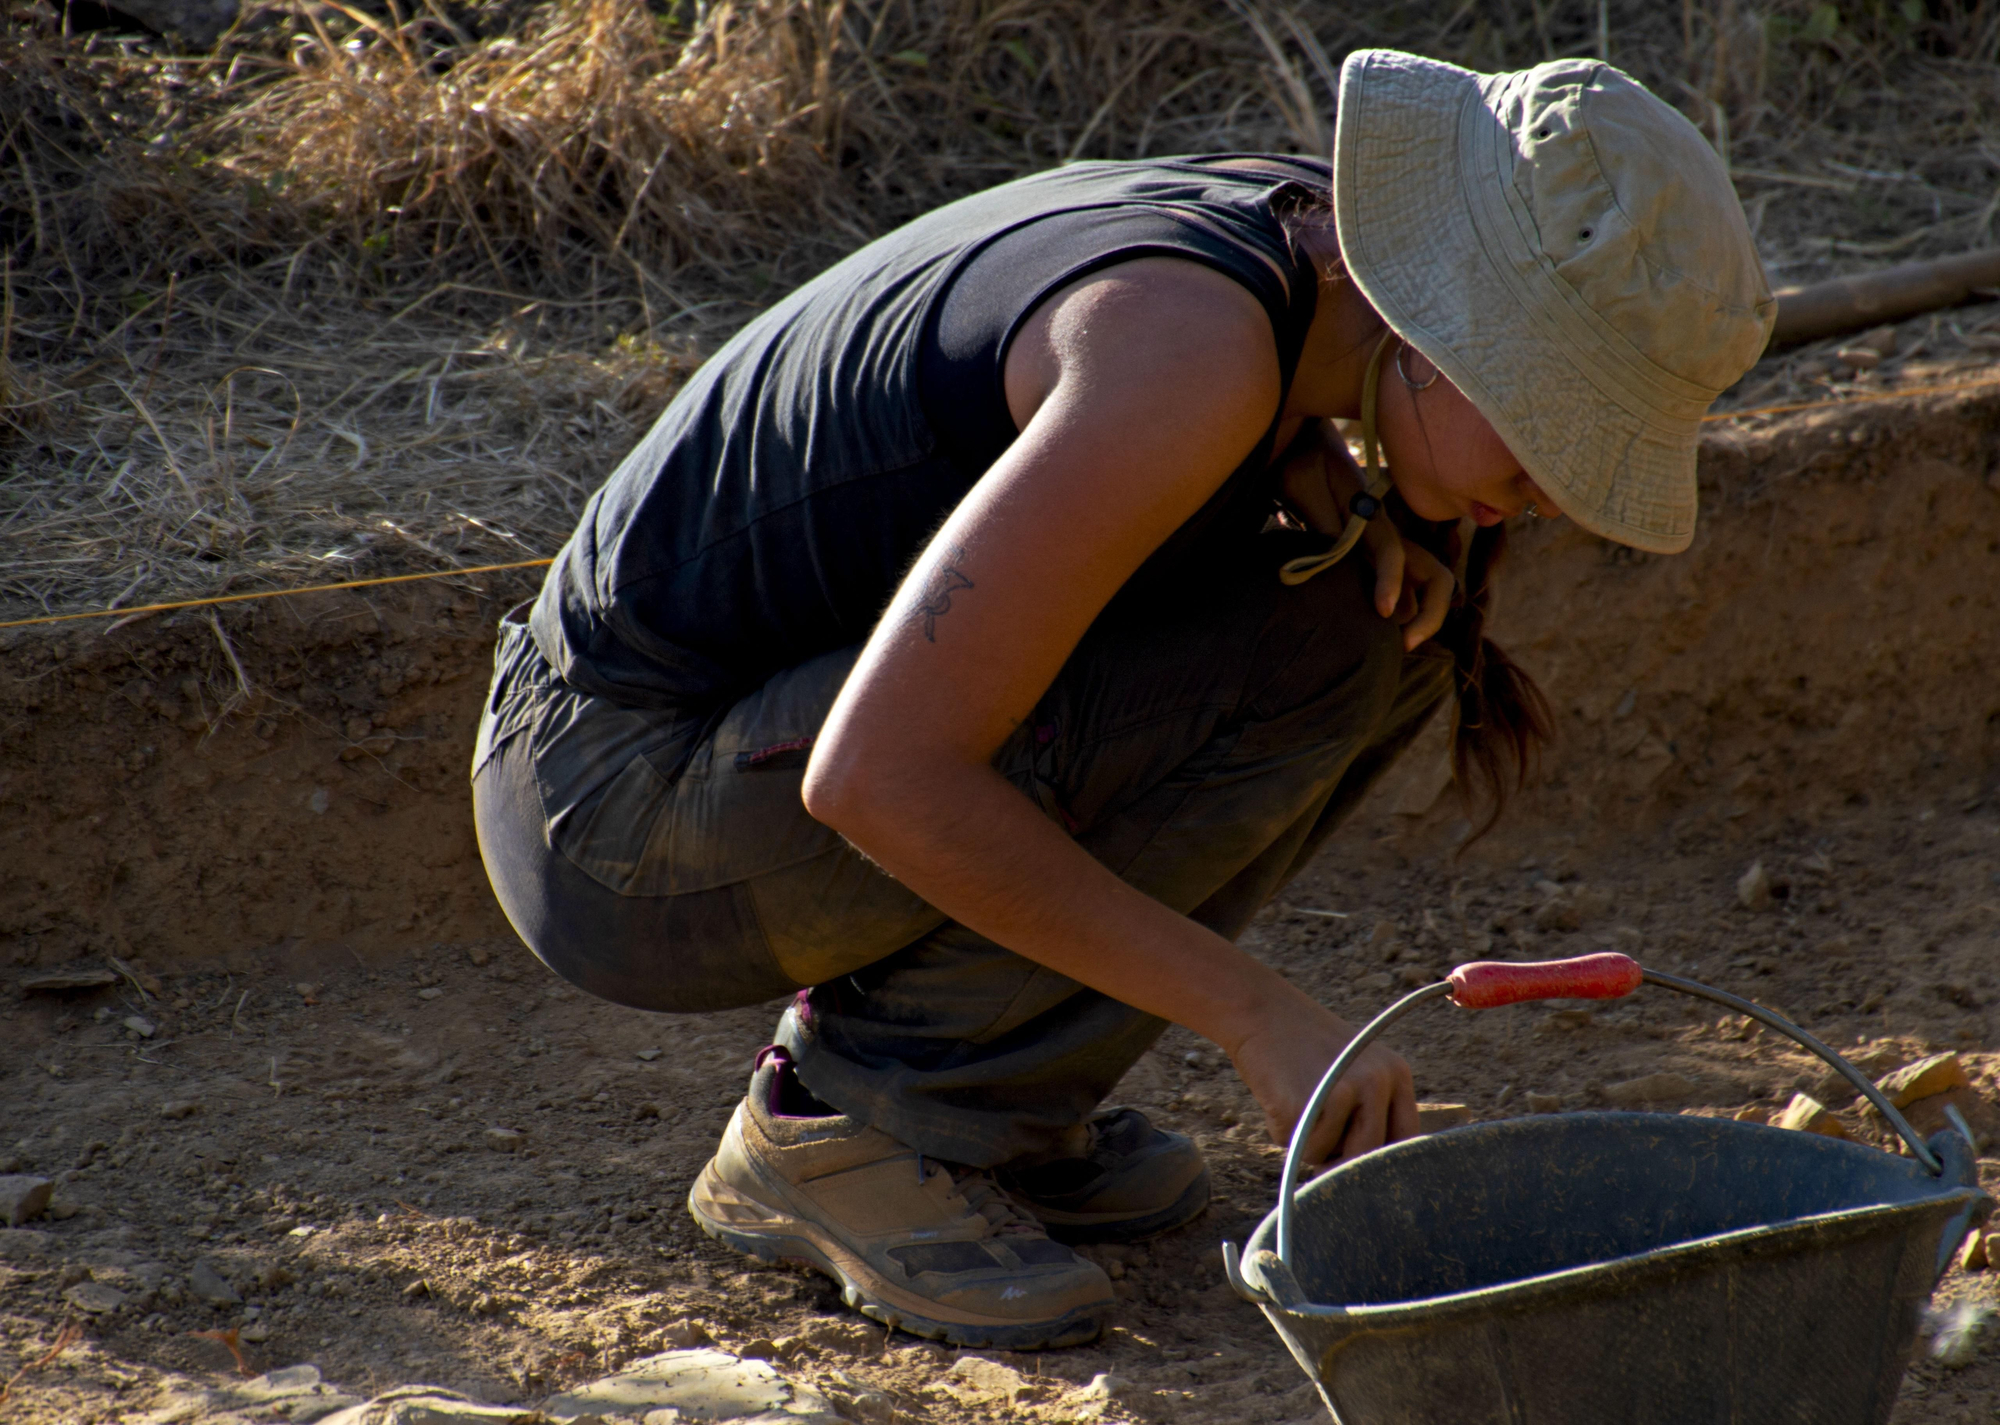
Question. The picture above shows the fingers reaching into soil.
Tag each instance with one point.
(1374, 1103)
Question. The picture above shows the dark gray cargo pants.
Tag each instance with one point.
(1202, 744)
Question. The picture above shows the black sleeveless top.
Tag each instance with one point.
(771, 511)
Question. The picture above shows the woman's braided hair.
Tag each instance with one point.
(1500, 718)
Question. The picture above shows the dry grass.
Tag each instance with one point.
(371, 289)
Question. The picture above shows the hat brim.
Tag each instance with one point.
(1431, 232)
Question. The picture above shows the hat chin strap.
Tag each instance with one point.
(1363, 507)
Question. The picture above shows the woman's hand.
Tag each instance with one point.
(1411, 586)
(1282, 1062)
(1319, 479)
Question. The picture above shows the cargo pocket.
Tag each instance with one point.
(729, 812)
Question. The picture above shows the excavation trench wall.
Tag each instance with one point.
(286, 781)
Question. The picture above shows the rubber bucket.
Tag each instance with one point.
(1591, 1268)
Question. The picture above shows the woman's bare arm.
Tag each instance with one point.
(1147, 385)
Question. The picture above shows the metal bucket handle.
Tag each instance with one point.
(1488, 984)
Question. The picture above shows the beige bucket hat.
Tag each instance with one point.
(1571, 253)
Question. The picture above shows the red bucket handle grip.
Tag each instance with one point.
(1488, 984)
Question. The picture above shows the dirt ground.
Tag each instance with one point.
(415, 1156)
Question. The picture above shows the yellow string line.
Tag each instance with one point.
(1850, 400)
(280, 593)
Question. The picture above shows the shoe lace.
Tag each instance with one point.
(981, 1194)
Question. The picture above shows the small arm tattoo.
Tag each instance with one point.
(934, 602)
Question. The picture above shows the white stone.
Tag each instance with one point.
(427, 1405)
(275, 1385)
(1753, 890)
(699, 1385)
(94, 1297)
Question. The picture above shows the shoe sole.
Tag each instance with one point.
(1078, 1227)
(789, 1245)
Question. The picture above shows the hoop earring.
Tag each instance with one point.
(1404, 371)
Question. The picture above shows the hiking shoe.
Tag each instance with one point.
(914, 1243)
(1118, 1179)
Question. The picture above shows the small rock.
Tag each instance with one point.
(1929, 1115)
(1106, 1386)
(62, 1210)
(479, 955)
(1858, 358)
(180, 1108)
(761, 1349)
(427, 1405)
(211, 1286)
(1806, 1114)
(1752, 1113)
(10, 1163)
(141, 1026)
(1938, 1074)
(1434, 1117)
(24, 1198)
(256, 1332)
(699, 1385)
(649, 1054)
(648, 1109)
(1544, 1102)
(279, 1384)
(1650, 1088)
(1975, 1255)
(1092, 1402)
(306, 990)
(1753, 890)
(871, 1407)
(94, 1297)
(503, 1140)
(430, 992)
(415, 1289)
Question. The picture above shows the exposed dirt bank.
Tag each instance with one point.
(289, 778)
